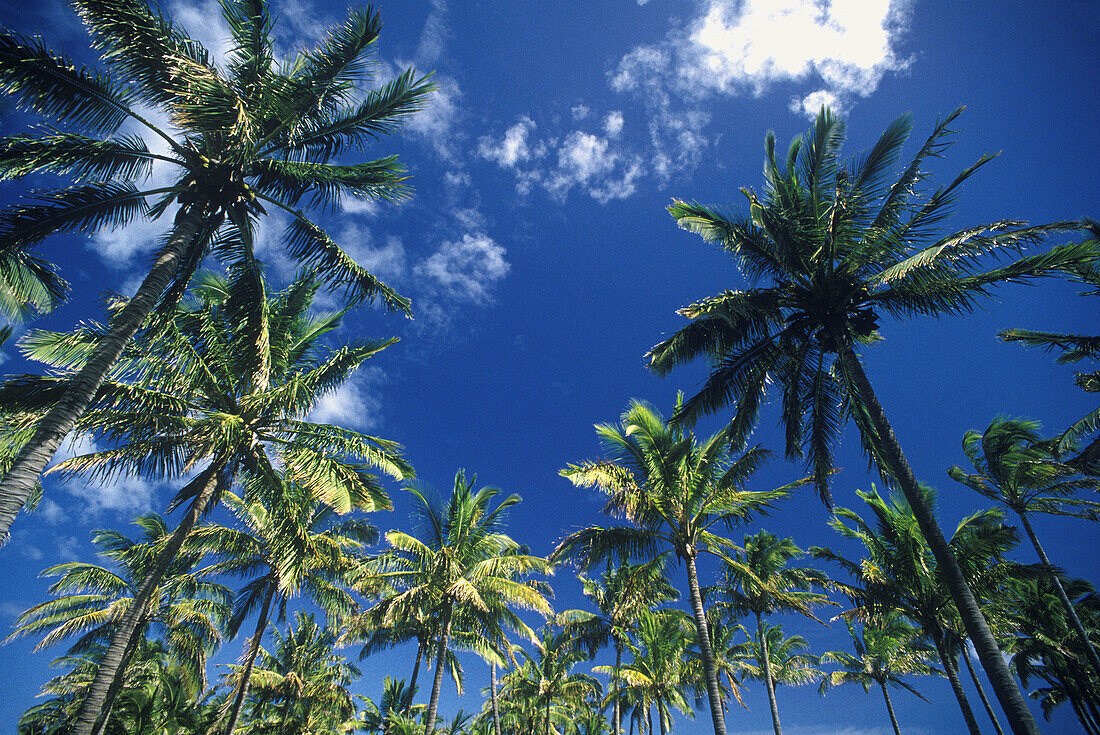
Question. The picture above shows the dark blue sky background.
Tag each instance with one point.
(543, 265)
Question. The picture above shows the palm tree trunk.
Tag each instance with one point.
(981, 693)
(616, 714)
(421, 646)
(1090, 650)
(769, 683)
(956, 685)
(108, 678)
(704, 646)
(249, 660)
(493, 695)
(440, 662)
(887, 446)
(661, 717)
(890, 708)
(17, 484)
(547, 731)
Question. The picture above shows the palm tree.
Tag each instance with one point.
(660, 671)
(759, 581)
(832, 248)
(673, 490)
(224, 386)
(547, 677)
(289, 545)
(900, 573)
(887, 649)
(1073, 348)
(305, 681)
(621, 594)
(1013, 471)
(784, 660)
(250, 134)
(92, 600)
(462, 568)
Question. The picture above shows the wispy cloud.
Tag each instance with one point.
(354, 404)
(465, 269)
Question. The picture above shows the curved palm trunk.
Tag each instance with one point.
(661, 718)
(1083, 636)
(249, 661)
(421, 645)
(890, 708)
(704, 647)
(108, 678)
(981, 694)
(616, 716)
(440, 661)
(17, 484)
(887, 445)
(493, 695)
(768, 681)
(956, 685)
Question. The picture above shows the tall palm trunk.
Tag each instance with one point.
(769, 683)
(981, 693)
(17, 484)
(440, 661)
(952, 672)
(1083, 636)
(704, 645)
(547, 731)
(249, 660)
(493, 696)
(616, 716)
(890, 708)
(421, 646)
(887, 446)
(108, 677)
(661, 718)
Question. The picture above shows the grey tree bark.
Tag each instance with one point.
(705, 651)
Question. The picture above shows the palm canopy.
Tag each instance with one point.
(828, 249)
(250, 134)
(760, 581)
(190, 614)
(229, 382)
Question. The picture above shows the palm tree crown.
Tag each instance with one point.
(245, 135)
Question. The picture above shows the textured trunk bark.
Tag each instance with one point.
(981, 694)
(890, 708)
(704, 647)
(768, 681)
(661, 718)
(440, 661)
(493, 694)
(17, 484)
(1004, 686)
(616, 715)
(547, 730)
(249, 661)
(1082, 636)
(97, 704)
(421, 646)
(956, 686)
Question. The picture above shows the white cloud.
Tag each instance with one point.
(204, 23)
(353, 404)
(127, 494)
(388, 262)
(737, 46)
(465, 269)
(813, 102)
(436, 123)
(434, 37)
(613, 123)
(580, 112)
(50, 512)
(513, 148)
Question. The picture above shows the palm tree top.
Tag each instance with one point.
(758, 579)
(828, 249)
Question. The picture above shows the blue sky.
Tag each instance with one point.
(542, 263)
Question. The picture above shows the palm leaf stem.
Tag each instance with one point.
(1008, 692)
(17, 484)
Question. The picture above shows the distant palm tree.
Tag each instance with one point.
(1015, 472)
(673, 490)
(785, 658)
(226, 385)
(887, 649)
(247, 134)
(305, 681)
(92, 600)
(899, 572)
(758, 581)
(833, 247)
(547, 677)
(461, 567)
(289, 545)
(621, 594)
